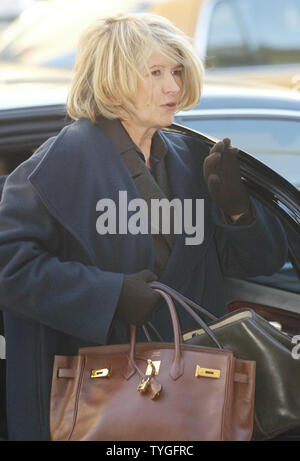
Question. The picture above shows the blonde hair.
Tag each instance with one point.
(112, 53)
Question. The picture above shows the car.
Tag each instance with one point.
(263, 121)
(46, 34)
(26, 123)
(250, 39)
(11, 10)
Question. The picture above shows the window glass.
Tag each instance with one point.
(277, 144)
(274, 142)
(244, 32)
(226, 45)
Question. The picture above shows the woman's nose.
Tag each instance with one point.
(172, 83)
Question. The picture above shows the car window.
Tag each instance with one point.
(275, 142)
(240, 33)
(226, 44)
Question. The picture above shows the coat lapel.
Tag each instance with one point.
(147, 187)
(186, 180)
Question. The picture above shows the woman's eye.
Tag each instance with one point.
(177, 72)
(156, 73)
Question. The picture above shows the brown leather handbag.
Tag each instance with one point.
(250, 337)
(152, 391)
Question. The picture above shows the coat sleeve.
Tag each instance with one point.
(68, 296)
(259, 248)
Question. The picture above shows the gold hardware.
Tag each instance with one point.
(143, 386)
(152, 364)
(207, 372)
(101, 373)
(152, 369)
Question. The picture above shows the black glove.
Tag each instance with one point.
(223, 177)
(137, 299)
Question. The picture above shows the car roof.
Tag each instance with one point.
(31, 94)
(235, 95)
(216, 94)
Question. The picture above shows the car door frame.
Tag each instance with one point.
(276, 305)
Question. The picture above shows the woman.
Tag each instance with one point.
(74, 265)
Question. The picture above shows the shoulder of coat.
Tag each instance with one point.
(71, 143)
(187, 140)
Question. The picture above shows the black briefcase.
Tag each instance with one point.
(251, 337)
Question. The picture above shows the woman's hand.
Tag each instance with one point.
(137, 299)
(223, 177)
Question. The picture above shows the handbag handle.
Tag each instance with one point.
(167, 293)
(176, 367)
(181, 300)
(191, 303)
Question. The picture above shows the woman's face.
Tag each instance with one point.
(158, 93)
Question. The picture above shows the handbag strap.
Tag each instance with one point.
(177, 297)
(147, 334)
(191, 303)
(176, 367)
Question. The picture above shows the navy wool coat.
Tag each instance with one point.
(60, 280)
